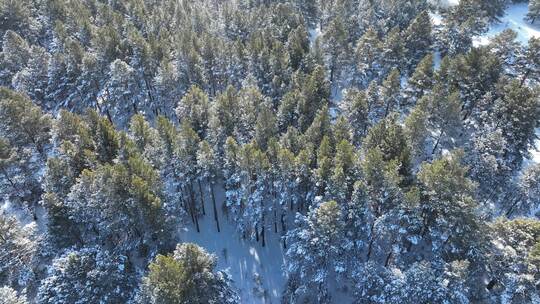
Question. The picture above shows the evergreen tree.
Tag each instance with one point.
(186, 276)
(335, 46)
(449, 211)
(513, 271)
(391, 93)
(15, 54)
(368, 52)
(90, 275)
(10, 296)
(32, 80)
(18, 252)
(23, 123)
(421, 81)
(194, 108)
(314, 254)
(418, 38)
(534, 10)
(356, 109)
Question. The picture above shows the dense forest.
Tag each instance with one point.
(382, 148)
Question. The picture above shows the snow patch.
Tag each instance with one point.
(514, 19)
(314, 33)
(257, 271)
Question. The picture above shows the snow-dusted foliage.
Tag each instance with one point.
(351, 151)
(18, 251)
(88, 275)
(10, 296)
(186, 276)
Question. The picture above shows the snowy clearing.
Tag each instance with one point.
(257, 271)
(513, 19)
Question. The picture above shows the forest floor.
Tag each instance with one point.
(257, 271)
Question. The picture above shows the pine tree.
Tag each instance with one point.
(421, 81)
(368, 52)
(316, 92)
(124, 94)
(266, 126)
(223, 118)
(90, 274)
(391, 93)
(15, 54)
(18, 252)
(356, 109)
(10, 296)
(250, 104)
(23, 123)
(449, 203)
(418, 38)
(297, 46)
(17, 17)
(194, 108)
(32, 80)
(515, 112)
(511, 269)
(335, 46)
(529, 64)
(186, 155)
(387, 139)
(393, 49)
(312, 264)
(319, 128)
(534, 10)
(287, 115)
(186, 276)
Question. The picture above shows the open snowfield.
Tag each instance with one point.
(257, 271)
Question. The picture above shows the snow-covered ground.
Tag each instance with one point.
(314, 33)
(513, 19)
(257, 271)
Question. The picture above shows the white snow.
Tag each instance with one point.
(314, 33)
(436, 18)
(513, 19)
(257, 271)
(444, 3)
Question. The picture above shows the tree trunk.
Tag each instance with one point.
(214, 205)
(257, 232)
(283, 228)
(437, 143)
(275, 208)
(193, 207)
(262, 232)
(371, 239)
(201, 196)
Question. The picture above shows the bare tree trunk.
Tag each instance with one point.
(283, 229)
(201, 196)
(193, 207)
(262, 232)
(371, 239)
(257, 232)
(437, 143)
(214, 205)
